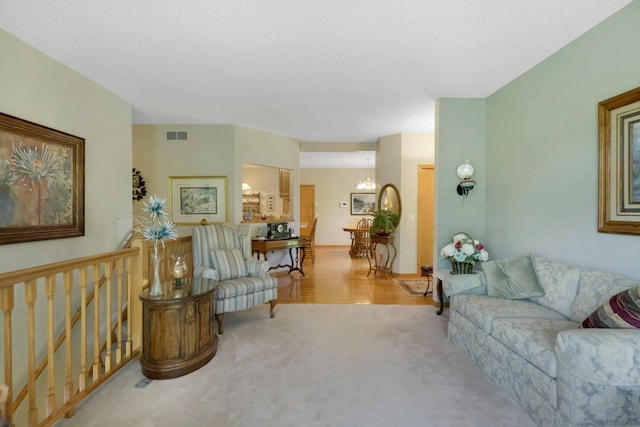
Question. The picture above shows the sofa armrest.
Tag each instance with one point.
(257, 268)
(206, 272)
(601, 356)
(454, 284)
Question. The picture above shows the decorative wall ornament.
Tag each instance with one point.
(465, 171)
(138, 187)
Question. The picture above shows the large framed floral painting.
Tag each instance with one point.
(619, 164)
(197, 199)
(41, 182)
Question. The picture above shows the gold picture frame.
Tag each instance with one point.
(196, 199)
(363, 203)
(41, 182)
(619, 164)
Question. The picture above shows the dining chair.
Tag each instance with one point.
(310, 250)
(362, 238)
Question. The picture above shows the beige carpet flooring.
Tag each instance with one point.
(316, 365)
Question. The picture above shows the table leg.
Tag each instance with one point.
(427, 291)
(440, 296)
(352, 249)
(395, 252)
(373, 267)
(296, 265)
(304, 254)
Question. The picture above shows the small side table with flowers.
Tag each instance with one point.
(463, 252)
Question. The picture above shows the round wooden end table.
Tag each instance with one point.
(178, 331)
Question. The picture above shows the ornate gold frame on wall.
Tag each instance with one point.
(41, 182)
(194, 199)
(619, 164)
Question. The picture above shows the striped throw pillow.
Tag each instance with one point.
(620, 311)
(229, 263)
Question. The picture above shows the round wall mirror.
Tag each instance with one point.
(389, 200)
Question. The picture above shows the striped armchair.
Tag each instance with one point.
(223, 252)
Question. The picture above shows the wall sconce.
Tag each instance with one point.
(465, 171)
(245, 186)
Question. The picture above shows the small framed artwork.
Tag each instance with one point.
(363, 203)
(271, 203)
(619, 164)
(41, 182)
(196, 198)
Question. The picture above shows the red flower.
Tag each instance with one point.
(458, 245)
(479, 246)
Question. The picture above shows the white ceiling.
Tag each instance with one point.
(314, 70)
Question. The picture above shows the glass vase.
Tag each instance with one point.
(156, 287)
(179, 269)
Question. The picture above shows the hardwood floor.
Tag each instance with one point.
(336, 278)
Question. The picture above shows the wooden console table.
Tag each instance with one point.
(178, 331)
(262, 246)
(378, 265)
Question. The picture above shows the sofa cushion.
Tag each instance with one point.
(481, 310)
(229, 263)
(533, 339)
(621, 311)
(243, 286)
(512, 278)
(596, 287)
(560, 284)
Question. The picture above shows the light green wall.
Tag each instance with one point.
(36, 88)
(460, 137)
(542, 150)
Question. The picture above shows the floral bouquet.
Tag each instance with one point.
(463, 252)
(157, 228)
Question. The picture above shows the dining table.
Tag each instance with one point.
(355, 250)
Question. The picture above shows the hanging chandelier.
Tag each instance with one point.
(367, 183)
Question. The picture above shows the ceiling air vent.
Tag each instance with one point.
(177, 136)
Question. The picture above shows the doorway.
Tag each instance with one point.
(426, 196)
(307, 208)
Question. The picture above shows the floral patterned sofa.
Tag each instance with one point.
(561, 373)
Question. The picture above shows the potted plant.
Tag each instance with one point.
(384, 222)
